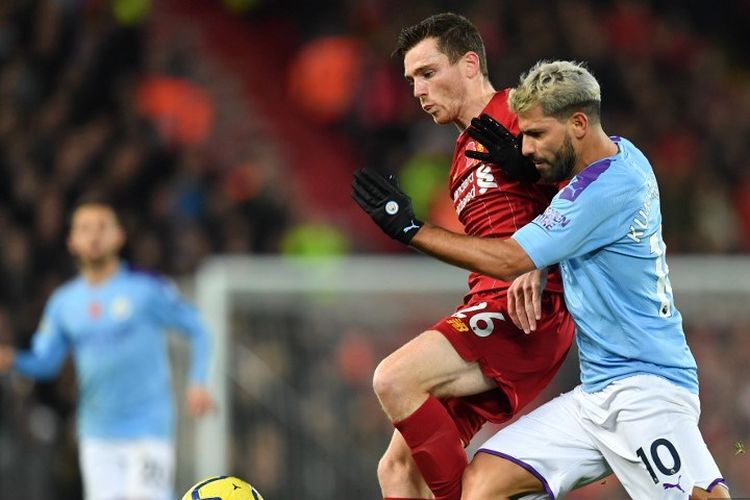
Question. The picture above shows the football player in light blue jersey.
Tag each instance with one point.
(636, 411)
(113, 320)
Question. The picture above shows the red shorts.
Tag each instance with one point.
(522, 365)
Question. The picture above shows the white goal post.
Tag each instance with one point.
(220, 278)
(707, 289)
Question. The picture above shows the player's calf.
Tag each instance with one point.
(398, 474)
(718, 491)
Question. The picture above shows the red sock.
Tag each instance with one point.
(436, 447)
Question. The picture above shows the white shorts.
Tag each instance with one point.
(643, 428)
(140, 469)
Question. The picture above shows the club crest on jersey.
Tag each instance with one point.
(476, 146)
(470, 163)
(458, 325)
(121, 308)
(95, 310)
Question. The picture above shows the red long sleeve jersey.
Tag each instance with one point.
(491, 205)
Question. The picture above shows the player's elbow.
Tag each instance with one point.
(504, 273)
(509, 261)
(506, 268)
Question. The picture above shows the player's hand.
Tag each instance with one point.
(385, 202)
(7, 357)
(525, 299)
(503, 149)
(199, 401)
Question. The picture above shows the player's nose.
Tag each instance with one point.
(527, 148)
(420, 90)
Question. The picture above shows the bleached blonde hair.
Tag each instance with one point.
(560, 87)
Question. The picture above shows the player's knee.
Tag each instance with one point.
(475, 486)
(478, 485)
(395, 469)
(492, 477)
(385, 382)
(380, 380)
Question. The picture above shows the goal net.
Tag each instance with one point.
(296, 342)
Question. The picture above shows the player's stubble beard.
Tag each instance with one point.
(96, 264)
(562, 165)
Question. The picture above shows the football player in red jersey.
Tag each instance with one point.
(473, 365)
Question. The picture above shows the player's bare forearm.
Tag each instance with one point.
(502, 259)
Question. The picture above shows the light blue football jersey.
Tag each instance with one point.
(116, 332)
(604, 229)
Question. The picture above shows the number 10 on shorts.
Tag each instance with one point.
(658, 449)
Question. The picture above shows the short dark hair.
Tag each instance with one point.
(455, 37)
(93, 199)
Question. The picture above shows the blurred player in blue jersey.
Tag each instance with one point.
(112, 319)
(636, 411)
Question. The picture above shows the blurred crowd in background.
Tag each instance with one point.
(234, 126)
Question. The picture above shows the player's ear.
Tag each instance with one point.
(470, 64)
(579, 123)
(122, 236)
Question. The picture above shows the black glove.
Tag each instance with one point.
(503, 149)
(382, 199)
